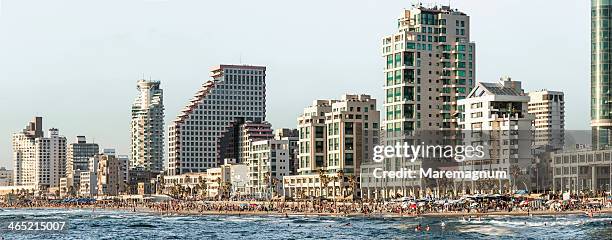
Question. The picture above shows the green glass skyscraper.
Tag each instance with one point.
(601, 64)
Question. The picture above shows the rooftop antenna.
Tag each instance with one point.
(240, 58)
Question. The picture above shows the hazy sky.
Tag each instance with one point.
(76, 63)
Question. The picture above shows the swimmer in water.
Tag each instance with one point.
(443, 224)
(418, 228)
(427, 228)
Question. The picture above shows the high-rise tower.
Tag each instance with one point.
(147, 127)
(429, 66)
(601, 68)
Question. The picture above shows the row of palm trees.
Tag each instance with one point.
(196, 190)
(325, 179)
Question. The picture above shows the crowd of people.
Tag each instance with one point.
(405, 206)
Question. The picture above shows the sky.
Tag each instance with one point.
(76, 63)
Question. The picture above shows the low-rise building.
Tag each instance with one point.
(184, 185)
(269, 161)
(582, 171)
(6, 177)
(229, 180)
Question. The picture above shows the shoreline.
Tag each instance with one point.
(317, 214)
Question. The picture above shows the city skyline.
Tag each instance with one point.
(283, 107)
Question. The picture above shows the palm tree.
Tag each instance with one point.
(88, 189)
(275, 183)
(71, 191)
(227, 187)
(321, 182)
(352, 185)
(219, 188)
(160, 185)
(266, 180)
(515, 171)
(340, 182)
(325, 181)
(203, 187)
(175, 190)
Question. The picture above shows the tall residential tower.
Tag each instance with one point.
(147, 129)
(429, 66)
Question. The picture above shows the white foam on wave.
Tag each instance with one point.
(486, 230)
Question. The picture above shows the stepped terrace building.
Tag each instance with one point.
(235, 91)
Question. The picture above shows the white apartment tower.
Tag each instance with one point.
(495, 116)
(548, 108)
(39, 161)
(236, 91)
(429, 65)
(147, 127)
(335, 138)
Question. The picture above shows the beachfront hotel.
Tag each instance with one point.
(147, 128)
(39, 161)
(495, 116)
(335, 137)
(236, 91)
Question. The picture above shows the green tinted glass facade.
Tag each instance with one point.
(601, 66)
